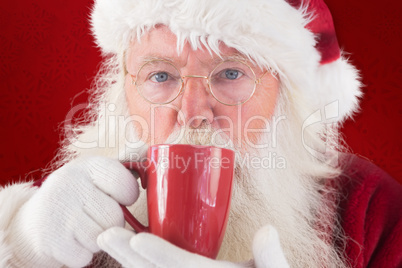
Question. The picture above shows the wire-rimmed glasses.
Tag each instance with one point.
(231, 82)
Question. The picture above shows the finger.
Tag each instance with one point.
(86, 232)
(267, 249)
(154, 249)
(113, 178)
(82, 256)
(116, 242)
(161, 253)
(104, 210)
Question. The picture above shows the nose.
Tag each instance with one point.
(195, 102)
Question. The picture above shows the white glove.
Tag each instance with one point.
(267, 249)
(59, 225)
(148, 250)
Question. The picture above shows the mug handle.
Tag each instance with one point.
(140, 168)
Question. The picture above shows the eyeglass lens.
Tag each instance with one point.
(231, 82)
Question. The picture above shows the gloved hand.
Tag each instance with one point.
(148, 250)
(59, 225)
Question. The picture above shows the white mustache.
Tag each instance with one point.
(203, 135)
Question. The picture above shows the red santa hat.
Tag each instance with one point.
(295, 38)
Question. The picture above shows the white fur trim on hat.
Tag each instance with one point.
(272, 33)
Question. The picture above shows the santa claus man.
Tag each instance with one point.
(263, 77)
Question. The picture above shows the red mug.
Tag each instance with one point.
(189, 189)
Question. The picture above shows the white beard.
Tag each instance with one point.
(282, 199)
(282, 196)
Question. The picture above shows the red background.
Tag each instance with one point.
(48, 58)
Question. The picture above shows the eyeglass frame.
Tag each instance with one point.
(256, 82)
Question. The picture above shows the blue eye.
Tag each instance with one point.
(160, 77)
(231, 74)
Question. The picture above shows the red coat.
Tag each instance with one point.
(370, 212)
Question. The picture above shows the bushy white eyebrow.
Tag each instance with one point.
(149, 58)
(216, 61)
